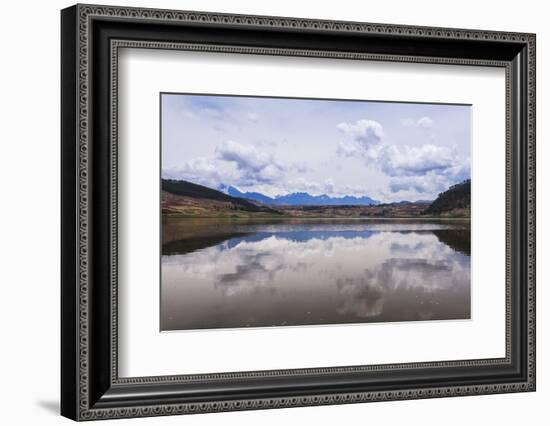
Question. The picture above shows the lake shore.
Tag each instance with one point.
(287, 217)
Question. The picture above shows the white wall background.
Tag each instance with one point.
(29, 225)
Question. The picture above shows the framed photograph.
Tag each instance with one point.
(263, 212)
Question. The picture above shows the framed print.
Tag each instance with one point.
(263, 212)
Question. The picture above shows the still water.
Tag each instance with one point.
(229, 274)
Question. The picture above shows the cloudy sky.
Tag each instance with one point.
(387, 151)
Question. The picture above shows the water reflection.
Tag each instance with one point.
(249, 274)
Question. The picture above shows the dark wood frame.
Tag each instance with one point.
(91, 37)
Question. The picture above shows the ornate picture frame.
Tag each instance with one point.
(91, 37)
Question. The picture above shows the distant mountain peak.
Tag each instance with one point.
(224, 188)
(298, 198)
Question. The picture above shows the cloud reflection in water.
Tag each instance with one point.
(270, 278)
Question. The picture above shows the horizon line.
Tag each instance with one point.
(309, 194)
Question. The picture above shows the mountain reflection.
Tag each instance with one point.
(458, 239)
(254, 275)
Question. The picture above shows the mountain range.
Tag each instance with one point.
(186, 199)
(299, 198)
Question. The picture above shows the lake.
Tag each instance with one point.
(235, 273)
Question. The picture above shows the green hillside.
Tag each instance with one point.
(185, 194)
(453, 202)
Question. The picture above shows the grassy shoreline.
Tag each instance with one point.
(279, 217)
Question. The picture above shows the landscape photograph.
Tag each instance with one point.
(283, 212)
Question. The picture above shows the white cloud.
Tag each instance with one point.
(365, 138)
(255, 166)
(430, 183)
(329, 186)
(416, 160)
(423, 122)
(348, 149)
(199, 170)
(426, 169)
(367, 141)
(365, 132)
